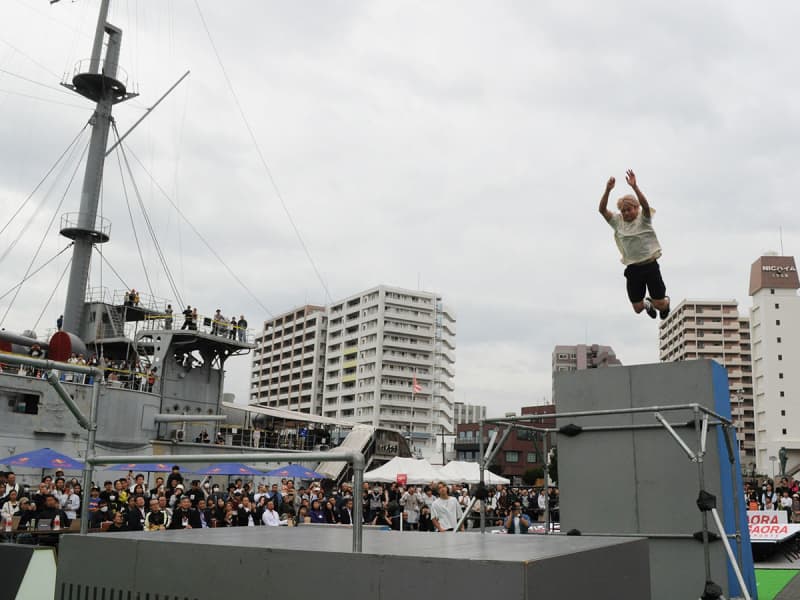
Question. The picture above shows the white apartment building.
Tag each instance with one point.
(775, 326)
(379, 343)
(713, 329)
(468, 413)
(288, 361)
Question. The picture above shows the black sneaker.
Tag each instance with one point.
(665, 313)
(648, 308)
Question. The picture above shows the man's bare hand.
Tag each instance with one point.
(610, 184)
(630, 177)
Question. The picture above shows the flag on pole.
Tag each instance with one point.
(416, 387)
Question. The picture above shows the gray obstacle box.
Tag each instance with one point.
(259, 562)
(635, 464)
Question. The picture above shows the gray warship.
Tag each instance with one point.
(168, 398)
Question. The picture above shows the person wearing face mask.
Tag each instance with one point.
(101, 515)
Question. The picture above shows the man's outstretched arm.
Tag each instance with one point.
(630, 177)
(604, 199)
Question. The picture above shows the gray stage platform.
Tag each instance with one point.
(296, 562)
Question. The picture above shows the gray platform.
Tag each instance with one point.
(640, 481)
(238, 562)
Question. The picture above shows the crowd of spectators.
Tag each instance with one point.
(130, 504)
(781, 494)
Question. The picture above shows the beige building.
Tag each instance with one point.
(287, 369)
(713, 329)
(468, 413)
(582, 356)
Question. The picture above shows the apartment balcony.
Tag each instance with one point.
(406, 360)
(421, 403)
(407, 345)
(448, 355)
(350, 364)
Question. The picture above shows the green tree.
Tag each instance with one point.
(531, 475)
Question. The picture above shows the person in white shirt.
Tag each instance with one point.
(637, 242)
(271, 518)
(11, 506)
(72, 503)
(446, 511)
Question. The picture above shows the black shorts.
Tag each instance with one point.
(645, 278)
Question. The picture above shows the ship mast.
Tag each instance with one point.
(98, 80)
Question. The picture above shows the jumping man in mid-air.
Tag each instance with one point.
(638, 244)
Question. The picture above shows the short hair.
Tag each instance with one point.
(627, 199)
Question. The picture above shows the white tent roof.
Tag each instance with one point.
(457, 471)
(417, 471)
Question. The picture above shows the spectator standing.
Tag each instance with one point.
(168, 317)
(412, 502)
(187, 318)
(242, 324)
(446, 511)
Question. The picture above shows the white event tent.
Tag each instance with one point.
(417, 471)
(457, 471)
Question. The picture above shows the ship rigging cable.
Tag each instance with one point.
(34, 272)
(133, 223)
(199, 235)
(36, 188)
(267, 170)
(46, 232)
(53, 293)
(162, 259)
(110, 266)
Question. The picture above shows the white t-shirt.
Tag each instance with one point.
(636, 240)
(448, 512)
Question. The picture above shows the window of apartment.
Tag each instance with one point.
(780, 356)
(531, 457)
(783, 394)
(777, 305)
(780, 375)
(777, 321)
(783, 431)
(512, 457)
(779, 340)
(772, 291)
(783, 413)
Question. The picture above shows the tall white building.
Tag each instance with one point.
(383, 357)
(713, 329)
(775, 326)
(288, 361)
(381, 342)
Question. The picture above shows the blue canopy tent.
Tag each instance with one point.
(296, 472)
(44, 458)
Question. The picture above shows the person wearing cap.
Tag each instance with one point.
(637, 242)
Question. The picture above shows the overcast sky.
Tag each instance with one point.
(460, 145)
